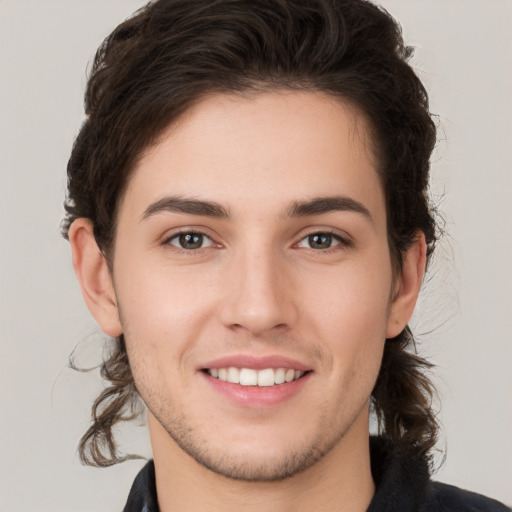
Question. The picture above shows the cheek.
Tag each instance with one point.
(163, 312)
(349, 314)
(163, 297)
(353, 300)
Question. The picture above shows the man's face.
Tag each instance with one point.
(288, 271)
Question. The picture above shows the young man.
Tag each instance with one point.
(249, 221)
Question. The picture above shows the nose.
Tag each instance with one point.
(259, 295)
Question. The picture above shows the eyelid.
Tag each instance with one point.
(314, 230)
(334, 237)
(173, 234)
(344, 240)
(177, 235)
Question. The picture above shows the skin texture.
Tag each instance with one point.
(256, 286)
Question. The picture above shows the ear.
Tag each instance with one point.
(407, 286)
(94, 277)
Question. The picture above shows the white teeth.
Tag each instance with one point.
(266, 377)
(233, 375)
(279, 376)
(289, 376)
(250, 377)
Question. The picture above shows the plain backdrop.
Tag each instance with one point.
(464, 51)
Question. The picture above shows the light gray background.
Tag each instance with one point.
(463, 54)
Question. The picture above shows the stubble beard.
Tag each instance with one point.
(327, 434)
(286, 466)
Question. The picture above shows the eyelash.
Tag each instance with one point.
(342, 243)
(181, 250)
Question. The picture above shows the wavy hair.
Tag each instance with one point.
(172, 53)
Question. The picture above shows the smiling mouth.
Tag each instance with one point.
(250, 377)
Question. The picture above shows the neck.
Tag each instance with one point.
(340, 481)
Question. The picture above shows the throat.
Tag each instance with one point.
(339, 481)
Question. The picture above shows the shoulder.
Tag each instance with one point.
(447, 498)
(403, 484)
(142, 497)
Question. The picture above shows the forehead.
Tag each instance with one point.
(274, 147)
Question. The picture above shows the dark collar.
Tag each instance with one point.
(401, 479)
(142, 497)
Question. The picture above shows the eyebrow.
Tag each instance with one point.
(315, 206)
(320, 205)
(179, 204)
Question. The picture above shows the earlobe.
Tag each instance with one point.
(94, 277)
(407, 287)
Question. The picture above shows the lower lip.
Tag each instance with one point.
(257, 397)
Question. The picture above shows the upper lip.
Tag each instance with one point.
(256, 363)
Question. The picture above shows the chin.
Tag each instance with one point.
(255, 468)
(251, 457)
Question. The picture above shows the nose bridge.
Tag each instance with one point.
(258, 298)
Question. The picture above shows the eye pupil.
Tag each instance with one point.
(320, 241)
(191, 240)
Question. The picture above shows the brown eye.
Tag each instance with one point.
(190, 241)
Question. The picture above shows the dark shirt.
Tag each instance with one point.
(402, 485)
